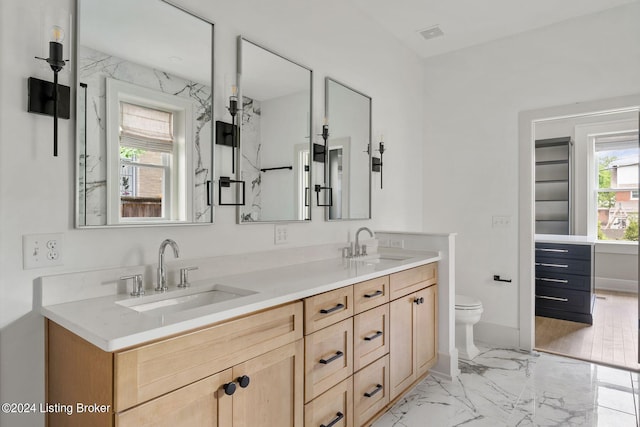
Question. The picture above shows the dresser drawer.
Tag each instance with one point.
(563, 281)
(333, 408)
(370, 336)
(152, 370)
(370, 294)
(411, 280)
(328, 358)
(328, 308)
(561, 250)
(563, 265)
(370, 391)
(548, 297)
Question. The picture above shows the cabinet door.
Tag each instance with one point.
(426, 328)
(273, 397)
(201, 404)
(402, 352)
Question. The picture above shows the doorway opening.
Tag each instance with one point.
(584, 209)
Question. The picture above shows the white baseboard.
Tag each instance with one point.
(494, 334)
(620, 285)
(444, 369)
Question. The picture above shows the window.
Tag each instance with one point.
(149, 144)
(146, 156)
(616, 161)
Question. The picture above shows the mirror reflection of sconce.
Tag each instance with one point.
(51, 99)
(320, 155)
(376, 162)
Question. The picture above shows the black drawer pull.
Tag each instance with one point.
(552, 298)
(560, 251)
(337, 356)
(544, 279)
(375, 294)
(333, 422)
(331, 310)
(371, 393)
(544, 264)
(373, 337)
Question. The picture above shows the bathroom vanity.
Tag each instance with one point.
(332, 342)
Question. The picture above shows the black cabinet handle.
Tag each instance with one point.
(373, 337)
(331, 310)
(229, 388)
(371, 393)
(373, 295)
(338, 355)
(419, 301)
(333, 422)
(243, 381)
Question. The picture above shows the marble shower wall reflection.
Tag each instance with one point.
(94, 68)
(251, 160)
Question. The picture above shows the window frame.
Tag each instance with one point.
(594, 185)
(179, 186)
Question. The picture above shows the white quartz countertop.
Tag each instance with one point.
(561, 238)
(110, 325)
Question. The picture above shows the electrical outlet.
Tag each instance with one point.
(281, 234)
(501, 221)
(42, 250)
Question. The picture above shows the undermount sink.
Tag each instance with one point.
(161, 304)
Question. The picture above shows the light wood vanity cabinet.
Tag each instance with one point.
(394, 333)
(364, 346)
(144, 382)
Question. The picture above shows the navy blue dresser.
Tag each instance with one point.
(564, 281)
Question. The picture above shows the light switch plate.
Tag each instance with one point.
(281, 234)
(42, 250)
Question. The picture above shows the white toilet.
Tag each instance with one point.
(468, 312)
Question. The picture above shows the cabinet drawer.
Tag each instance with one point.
(370, 391)
(563, 281)
(333, 408)
(409, 281)
(563, 299)
(328, 308)
(561, 250)
(563, 265)
(370, 294)
(370, 336)
(328, 358)
(198, 404)
(155, 369)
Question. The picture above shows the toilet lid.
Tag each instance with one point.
(464, 301)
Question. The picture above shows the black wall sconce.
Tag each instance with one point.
(233, 110)
(376, 162)
(51, 99)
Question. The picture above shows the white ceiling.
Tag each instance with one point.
(470, 22)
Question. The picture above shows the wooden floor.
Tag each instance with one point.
(612, 339)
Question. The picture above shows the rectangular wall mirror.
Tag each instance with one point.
(274, 135)
(348, 159)
(144, 108)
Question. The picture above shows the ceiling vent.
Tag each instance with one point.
(431, 32)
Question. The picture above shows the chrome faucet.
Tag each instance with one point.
(358, 251)
(161, 286)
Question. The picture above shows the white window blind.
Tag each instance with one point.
(146, 128)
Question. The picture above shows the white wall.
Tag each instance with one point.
(472, 100)
(37, 190)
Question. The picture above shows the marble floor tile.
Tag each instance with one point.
(504, 387)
